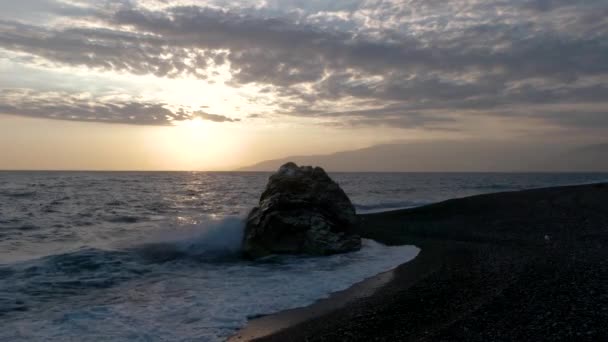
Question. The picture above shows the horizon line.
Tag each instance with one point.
(270, 171)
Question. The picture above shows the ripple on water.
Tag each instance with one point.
(19, 194)
(123, 219)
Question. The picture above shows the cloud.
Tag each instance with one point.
(274, 51)
(398, 63)
(184, 40)
(84, 107)
(103, 49)
(214, 117)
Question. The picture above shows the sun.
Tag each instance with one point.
(197, 144)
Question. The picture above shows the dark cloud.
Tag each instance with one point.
(180, 40)
(214, 117)
(411, 61)
(277, 52)
(103, 49)
(551, 5)
(80, 107)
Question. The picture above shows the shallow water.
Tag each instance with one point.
(154, 256)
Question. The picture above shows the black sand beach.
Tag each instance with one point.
(518, 266)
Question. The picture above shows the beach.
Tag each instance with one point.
(81, 253)
(525, 265)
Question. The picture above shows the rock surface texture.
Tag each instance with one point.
(302, 211)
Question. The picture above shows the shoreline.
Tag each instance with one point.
(270, 324)
(267, 325)
(482, 258)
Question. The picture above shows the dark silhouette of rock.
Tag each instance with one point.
(302, 211)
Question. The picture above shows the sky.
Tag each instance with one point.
(217, 85)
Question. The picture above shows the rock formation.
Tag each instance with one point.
(302, 211)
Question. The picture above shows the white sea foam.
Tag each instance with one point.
(188, 297)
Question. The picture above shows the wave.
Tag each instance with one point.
(384, 206)
(208, 302)
(191, 273)
(209, 240)
(19, 194)
(494, 187)
(54, 278)
(22, 227)
(123, 219)
(88, 268)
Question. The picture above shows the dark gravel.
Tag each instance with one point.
(519, 266)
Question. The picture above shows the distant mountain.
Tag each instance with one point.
(454, 156)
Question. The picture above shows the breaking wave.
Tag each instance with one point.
(385, 206)
(192, 281)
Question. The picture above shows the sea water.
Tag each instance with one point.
(102, 256)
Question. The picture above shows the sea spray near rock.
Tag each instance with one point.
(301, 210)
(209, 240)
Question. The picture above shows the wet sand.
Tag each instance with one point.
(529, 266)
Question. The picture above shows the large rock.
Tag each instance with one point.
(302, 211)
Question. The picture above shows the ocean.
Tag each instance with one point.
(154, 256)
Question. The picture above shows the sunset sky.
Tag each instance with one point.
(216, 85)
